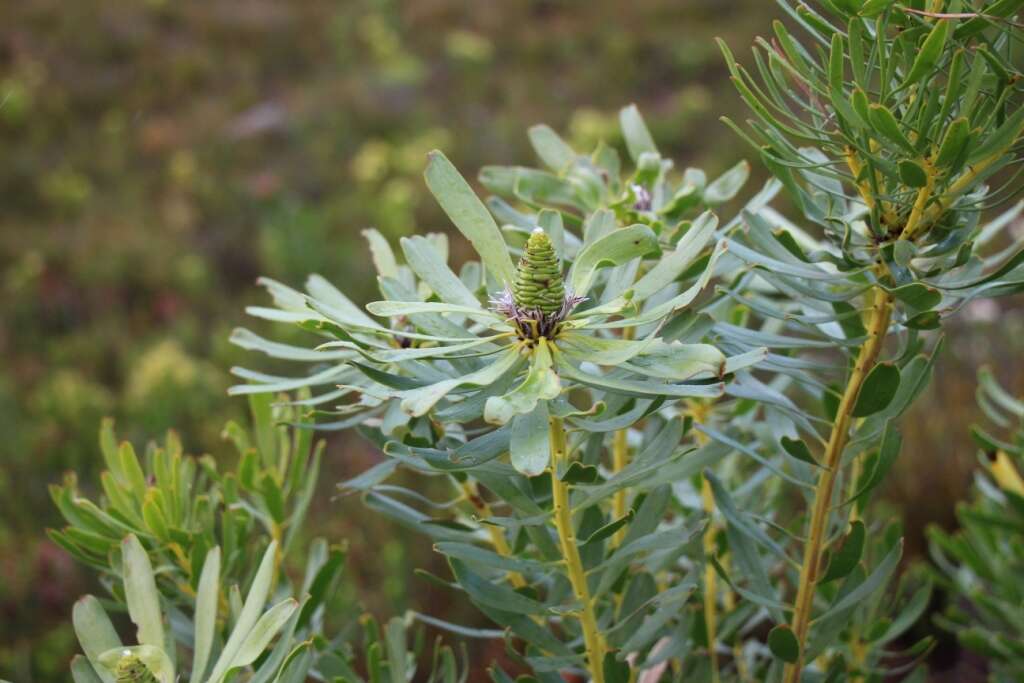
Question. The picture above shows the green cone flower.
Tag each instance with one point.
(538, 282)
(132, 670)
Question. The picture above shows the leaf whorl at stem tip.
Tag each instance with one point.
(131, 669)
(539, 282)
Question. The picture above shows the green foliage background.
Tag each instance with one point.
(158, 156)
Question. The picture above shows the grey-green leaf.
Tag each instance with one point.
(207, 595)
(141, 594)
(529, 445)
(469, 215)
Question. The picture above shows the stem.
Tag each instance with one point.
(497, 534)
(699, 411)
(878, 324)
(592, 639)
(620, 458)
(710, 580)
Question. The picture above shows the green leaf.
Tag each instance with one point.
(615, 670)
(783, 643)
(551, 148)
(95, 633)
(529, 447)
(82, 671)
(259, 637)
(418, 402)
(578, 473)
(141, 594)
(609, 529)
(469, 215)
(380, 251)
(249, 614)
(634, 130)
(929, 53)
(953, 143)
(843, 560)
(917, 296)
(912, 174)
(427, 263)
(929, 320)
(493, 595)
(675, 263)
(872, 583)
(541, 384)
(615, 248)
(296, 667)
(726, 186)
(207, 595)
(878, 390)
(799, 450)
(884, 122)
(999, 141)
(395, 644)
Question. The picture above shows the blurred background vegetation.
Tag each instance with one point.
(158, 156)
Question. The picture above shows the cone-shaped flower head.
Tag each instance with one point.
(539, 282)
(131, 670)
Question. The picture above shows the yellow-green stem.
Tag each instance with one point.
(878, 324)
(592, 639)
(620, 458)
(497, 534)
(710, 581)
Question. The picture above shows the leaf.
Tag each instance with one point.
(912, 174)
(783, 643)
(95, 633)
(799, 450)
(419, 401)
(530, 450)
(634, 131)
(917, 295)
(1000, 140)
(249, 614)
(469, 215)
(207, 595)
(842, 561)
(578, 473)
(878, 390)
(141, 594)
(541, 383)
(615, 248)
(673, 264)
(929, 53)
(551, 148)
(82, 671)
(493, 595)
(727, 185)
(427, 263)
(872, 583)
(609, 529)
(884, 122)
(953, 143)
(615, 670)
(259, 637)
(743, 539)
(296, 667)
(395, 644)
(380, 251)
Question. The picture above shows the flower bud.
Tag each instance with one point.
(539, 282)
(130, 669)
